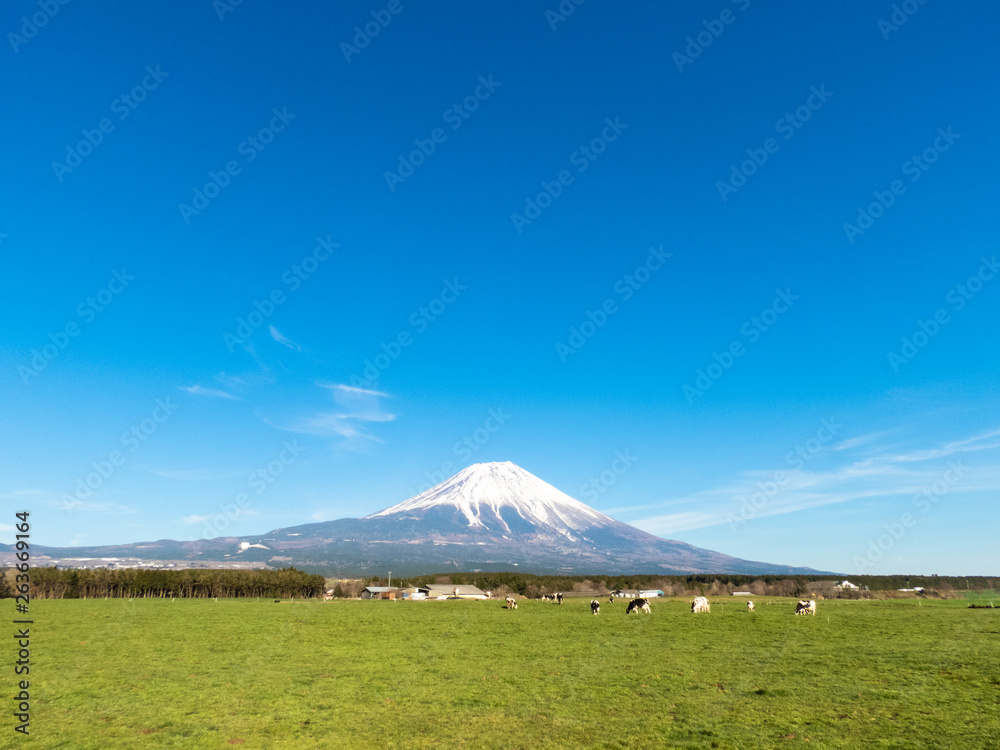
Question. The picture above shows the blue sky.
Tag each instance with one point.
(725, 271)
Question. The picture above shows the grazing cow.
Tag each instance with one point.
(510, 602)
(559, 598)
(546, 598)
(749, 606)
(595, 607)
(700, 604)
(805, 607)
(636, 604)
(611, 599)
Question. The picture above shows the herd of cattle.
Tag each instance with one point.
(700, 604)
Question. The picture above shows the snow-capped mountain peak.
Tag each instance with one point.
(482, 492)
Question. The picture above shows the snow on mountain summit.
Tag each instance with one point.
(481, 491)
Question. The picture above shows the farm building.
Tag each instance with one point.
(625, 593)
(447, 591)
(380, 592)
(742, 593)
(831, 588)
(650, 593)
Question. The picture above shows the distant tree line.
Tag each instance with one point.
(201, 583)
(534, 586)
(60, 583)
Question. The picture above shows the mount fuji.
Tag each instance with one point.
(489, 516)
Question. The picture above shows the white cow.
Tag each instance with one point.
(595, 606)
(700, 604)
(749, 606)
(510, 602)
(805, 607)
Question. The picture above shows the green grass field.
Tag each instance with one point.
(353, 674)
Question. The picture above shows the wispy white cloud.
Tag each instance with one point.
(282, 339)
(23, 493)
(231, 381)
(194, 519)
(982, 442)
(352, 390)
(859, 440)
(114, 509)
(199, 390)
(355, 408)
(873, 476)
(194, 475)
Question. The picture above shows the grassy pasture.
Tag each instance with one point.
(353, 674)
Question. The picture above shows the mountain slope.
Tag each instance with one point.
(492, 516)
(483, 493)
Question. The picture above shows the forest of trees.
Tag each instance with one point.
(61, 583)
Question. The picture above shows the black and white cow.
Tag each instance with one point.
(805, 607)
(749, 606)
(595, 607)
(510, 602)
(636, 604)
(559, 598)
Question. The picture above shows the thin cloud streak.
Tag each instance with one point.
(194, 475)
(872, 477)
(284, 340)
(199, 390)
(356, 408)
